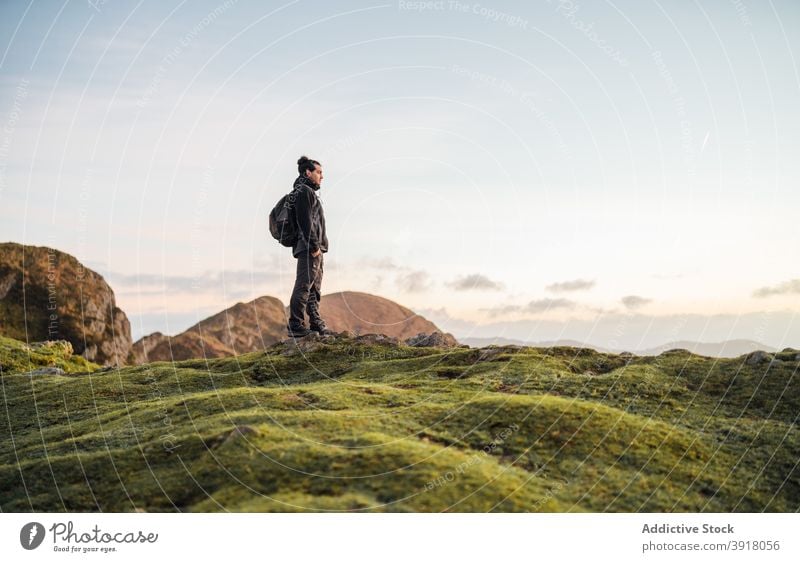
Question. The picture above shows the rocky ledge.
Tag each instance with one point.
(314, 341)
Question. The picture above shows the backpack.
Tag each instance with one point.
(283, 222)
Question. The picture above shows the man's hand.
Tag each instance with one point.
(315, 254)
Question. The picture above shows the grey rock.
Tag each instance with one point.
(488, 353)
(241, 431)
(675, 351)
(434, 339)
(307, 344)
(46, 371)
(377, 338)
(757, 357)
(6, 284)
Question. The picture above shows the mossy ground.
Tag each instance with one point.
(359, 426)
(18, 357)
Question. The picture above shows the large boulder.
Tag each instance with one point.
(46, 294)
(434, 339)
(757, 357)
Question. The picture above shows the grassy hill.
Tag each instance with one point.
(355, 424)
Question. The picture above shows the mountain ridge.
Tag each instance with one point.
(728, 348)
(257, 324)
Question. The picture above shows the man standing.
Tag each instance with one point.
(312, 242)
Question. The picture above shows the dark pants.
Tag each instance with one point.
(306, 294)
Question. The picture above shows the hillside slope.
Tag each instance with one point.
(361, 424)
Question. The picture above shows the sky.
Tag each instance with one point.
(620, 173)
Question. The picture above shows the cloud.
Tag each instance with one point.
(574, 285)
(632, 302)
(445, 321)
(475, 281)
(667, 276)
(270, 261)
(785, 288)
(543, 305)
(503, 310)
(407, 279)
(383, 264)
(533, 307)
(413, 282)
(237, 282)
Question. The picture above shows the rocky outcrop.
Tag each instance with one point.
(242, 328)
(143, 347)
(757, 357)
(42, 358)
(434, 339)
(46, 294)
(46, 371)
(314, 341)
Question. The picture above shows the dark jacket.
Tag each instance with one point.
(310, 218)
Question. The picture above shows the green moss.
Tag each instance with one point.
(19, 357)
(363, 427)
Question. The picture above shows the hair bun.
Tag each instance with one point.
(306, 164)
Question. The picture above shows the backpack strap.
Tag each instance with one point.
(291, 196)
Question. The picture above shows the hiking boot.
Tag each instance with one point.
(323, 330)
(298, 332)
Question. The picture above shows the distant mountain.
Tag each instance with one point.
(255, 325)
(47, 294)
(242, 328)
(730, 348)
(483, 342)
(363, 313)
